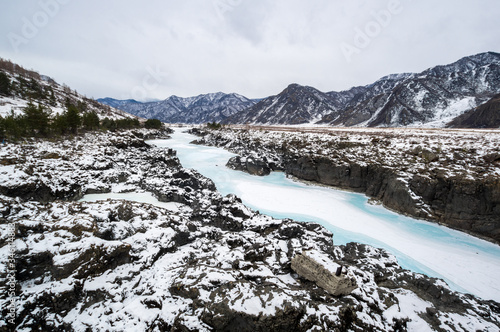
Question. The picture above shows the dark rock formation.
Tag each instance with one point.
(463, 204)
(250, 165)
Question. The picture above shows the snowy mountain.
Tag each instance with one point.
(22, 86)
(295, 105)
(431, 98)
(200, 109)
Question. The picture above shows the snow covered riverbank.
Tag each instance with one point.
(214, 265)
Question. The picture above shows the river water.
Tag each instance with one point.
(466, 263)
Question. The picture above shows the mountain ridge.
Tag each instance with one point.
(197, 109)
(431, 98)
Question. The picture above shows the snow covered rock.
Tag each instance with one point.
(250, 165)
(324, 273)
(215, 264)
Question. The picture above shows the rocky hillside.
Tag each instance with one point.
(22, 86)
(422, 173)
(205, 263)
(486, 115)
(431, 98)
(200, 109)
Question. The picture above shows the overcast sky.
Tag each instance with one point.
(154, 49)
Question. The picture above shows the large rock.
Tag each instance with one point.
(250, 165)
(329, 276)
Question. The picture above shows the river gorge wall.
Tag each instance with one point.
(448, 177)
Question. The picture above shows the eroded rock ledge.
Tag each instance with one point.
(452, 177)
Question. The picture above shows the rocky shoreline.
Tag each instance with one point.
(420, 173)
(211, 265)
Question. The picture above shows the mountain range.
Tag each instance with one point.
(200, 109)
(435, 97)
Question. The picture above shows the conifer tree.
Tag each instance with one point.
(5, 84)
(90, 120)
(153, 124)
(36, 119)
(73, 119)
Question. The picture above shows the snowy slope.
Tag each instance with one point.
(16, 102)
(486, 115)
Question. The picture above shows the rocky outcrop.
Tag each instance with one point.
(119, 263)
(374, 180)
(93, 163)
(250, 165)
(464, 204)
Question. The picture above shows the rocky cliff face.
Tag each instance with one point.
(205, 263)
(422, 174)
